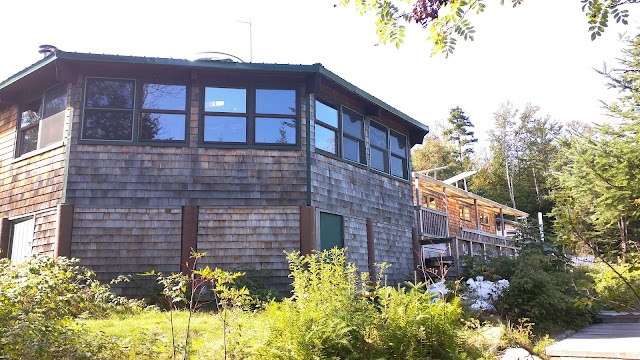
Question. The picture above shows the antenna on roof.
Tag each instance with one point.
(216, 56)
(47, 50)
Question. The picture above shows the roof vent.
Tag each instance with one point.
(216, 56)
(47, 50)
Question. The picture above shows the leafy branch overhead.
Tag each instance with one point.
(447, 19)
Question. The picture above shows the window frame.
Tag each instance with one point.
(484, 218)
(336, 130)
(362, 143)
(388, 151)
(37, 124)
(137, 111)
(462, 216)
(250, 115)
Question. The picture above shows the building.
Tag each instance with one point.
(454, 223)
(128, 163)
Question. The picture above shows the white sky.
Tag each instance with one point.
(539, 52)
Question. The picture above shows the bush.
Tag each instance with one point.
(492, 268)
(544, 289)
(39, 299)
(334, 313)
(612, 293)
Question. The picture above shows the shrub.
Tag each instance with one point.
(611, 292)
(491, 268)
(38, 300)
(544, 290)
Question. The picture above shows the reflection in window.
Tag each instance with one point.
(353, 136)
(399, 161)
(42, 120)
(163, 115)
(108, 111)
(388, 151)
(275, 131)
(230, 129)
(326, 128)
(225, 100)
(379, 147)
(272, 101)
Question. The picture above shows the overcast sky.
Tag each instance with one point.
(539, 52)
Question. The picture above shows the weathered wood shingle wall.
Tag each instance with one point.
(250, 239)
(119, 240)
(45, 232)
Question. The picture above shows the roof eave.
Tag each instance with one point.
(29, 70)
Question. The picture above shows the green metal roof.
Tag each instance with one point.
(315, 68)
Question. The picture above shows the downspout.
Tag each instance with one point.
(308, 141)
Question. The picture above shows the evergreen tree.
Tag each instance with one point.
(459, 134)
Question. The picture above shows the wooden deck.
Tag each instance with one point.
(607, 341)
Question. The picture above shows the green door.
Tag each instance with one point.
(331, 231)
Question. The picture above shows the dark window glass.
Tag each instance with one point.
(225, 129)
(352, 123)
(164, 97)
(399, 167)
(398, 144)
(225, 100)
(326, 114)
(326, 139)
(156, 126)
(353, 150)
(275, 131)
(28, 140)
(107, 125)
(110, 94)
(281, 102)
(379, 159)
(378, 136)
(55, 100)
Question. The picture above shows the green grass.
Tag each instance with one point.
(148, 334)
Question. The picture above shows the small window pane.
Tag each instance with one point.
(28, 140)
(30, 113)
(399, 167)
(325, 139)
(353, 150)
(55, 100)
(112, 94)
(107, 125)
(225, 100)
(164, 97)
(398, 144)
(326, 114)
(378, 136)
(281, 102)
(275, 131)
(352, 123)
(379, 159)
(154, 126)
(225, 129)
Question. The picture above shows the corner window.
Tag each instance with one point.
(465, 212)
(41, 121)
(110, 111)
(229, 119)
(326, 128)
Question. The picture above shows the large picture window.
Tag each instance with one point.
(250, 116)
(113, 107)
(41, 121)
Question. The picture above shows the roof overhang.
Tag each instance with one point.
(463, 195)
(59, 66)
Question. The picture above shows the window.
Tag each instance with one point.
(110, 111)
(21, 239)
(388, 151)
(353, 136)
(331, 231)
(429, 201)
(250, 116)
(465, 212)
(41, 121)
(326, 128)
(484, 218)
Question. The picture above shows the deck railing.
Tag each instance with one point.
(487, 238)
(433, 222)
